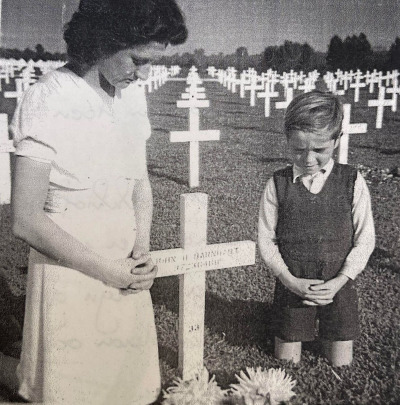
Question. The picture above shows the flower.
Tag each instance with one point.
(262, 387)
(198, 391)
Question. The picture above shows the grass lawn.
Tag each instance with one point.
(238, 301)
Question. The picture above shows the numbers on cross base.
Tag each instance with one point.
(194, 328)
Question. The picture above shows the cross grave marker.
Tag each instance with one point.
(267, 95)
(191, 262)
(289, 98)
(380, 103)
(348, 129)
(194, 136)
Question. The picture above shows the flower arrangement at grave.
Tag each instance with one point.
(258, 387)
(263, 387)
(201, 390)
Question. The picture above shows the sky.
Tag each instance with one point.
(224, 25)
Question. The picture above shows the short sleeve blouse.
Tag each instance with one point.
(63, 120)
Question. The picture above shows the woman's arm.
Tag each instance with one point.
(142, 198)
(30, 223)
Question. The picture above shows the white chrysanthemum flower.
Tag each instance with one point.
(261, 385)
(198, 391)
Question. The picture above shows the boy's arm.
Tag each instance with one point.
(364, 231)
(267, 222)
(363, 245)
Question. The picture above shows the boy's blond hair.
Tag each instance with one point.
(314, 112)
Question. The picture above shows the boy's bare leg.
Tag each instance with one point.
(287, 350)
(8, 372)
(339, 353)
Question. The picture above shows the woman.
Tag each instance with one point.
(82, 201)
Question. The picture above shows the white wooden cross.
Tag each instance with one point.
(6, 147)
(194, 136)
(357, 85)
(267, 94)
(243, 81)
(253, 86)
(348, 129)
(395, 91)
(380, 103)
(345, 79)
(375, 77)
(194, 79)
(191, 262)
(211, 71)
(286, 81)
(231, 79)
(308, 85)
(19, 90)
(289, 98)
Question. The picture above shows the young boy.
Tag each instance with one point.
(316, 234)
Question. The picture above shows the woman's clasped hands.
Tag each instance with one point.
(132, 275)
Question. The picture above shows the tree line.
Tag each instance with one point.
(354, 52)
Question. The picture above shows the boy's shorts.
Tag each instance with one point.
(296, 322)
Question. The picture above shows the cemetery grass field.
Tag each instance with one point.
(233, 173)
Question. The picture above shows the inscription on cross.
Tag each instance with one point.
(191, 262)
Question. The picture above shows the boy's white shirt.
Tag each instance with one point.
(364, 230)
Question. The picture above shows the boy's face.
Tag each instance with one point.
(311, 152)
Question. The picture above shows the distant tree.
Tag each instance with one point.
(335, 55)
(200, 59)
(350, 52)
(242, 58)
(290, 55)
(306, 56)
(187, 60)
(269, 57)
(39, 51)
(394, 55)
(28, 54)
(357, 52)
(364, 52)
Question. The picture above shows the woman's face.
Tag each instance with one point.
(126, 66)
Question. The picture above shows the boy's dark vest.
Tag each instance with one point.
(315, 228)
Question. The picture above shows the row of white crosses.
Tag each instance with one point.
(250, 80)
(158, 76)
(23, 74)
(195, 257)
(291, 80)
(263, 86)
(356, 80)
(10, 69)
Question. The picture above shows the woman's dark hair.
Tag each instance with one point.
(103, 27)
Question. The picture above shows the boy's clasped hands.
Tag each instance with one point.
(313, 291)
